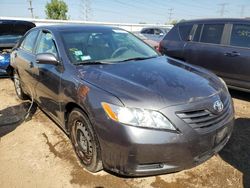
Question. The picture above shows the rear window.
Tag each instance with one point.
(10, 33)
(240, 35)
(185, 31)
(212, 33)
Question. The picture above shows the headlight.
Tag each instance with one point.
(224, 83)
(137, 117)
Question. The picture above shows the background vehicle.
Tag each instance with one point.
(107, 89)
(153, 35)
(220, 45)
(10, 32)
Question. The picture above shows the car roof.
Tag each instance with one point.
(70, 27)
(216, 20)
(17, 22)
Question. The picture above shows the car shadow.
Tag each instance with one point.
(237, 151)
(240, 95)
(13, 116)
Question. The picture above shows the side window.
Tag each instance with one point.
(150, 31)
(212, 33)
(144, 31)
(240, 35)
(46, 44)
(172, 35)
(29, 41)
(157, 31)
(197, 33)
(185, 31)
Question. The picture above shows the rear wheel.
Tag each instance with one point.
(84, 140)
(18, 87)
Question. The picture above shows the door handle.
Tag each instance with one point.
(232, 54)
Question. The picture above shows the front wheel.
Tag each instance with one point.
(84, 140)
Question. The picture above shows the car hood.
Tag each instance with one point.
(153, 83)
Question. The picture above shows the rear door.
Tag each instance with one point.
(174, 42)
(236, 64)
(25, 60)
(207, 47)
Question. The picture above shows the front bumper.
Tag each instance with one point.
(135, 151)
(141, 152)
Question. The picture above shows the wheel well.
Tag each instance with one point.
(68, 108)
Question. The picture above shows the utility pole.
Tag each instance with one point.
(31, 8)
(223, 9)
(86, 9)
(170, 14)
(242, 10)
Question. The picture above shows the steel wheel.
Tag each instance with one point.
(84, 140)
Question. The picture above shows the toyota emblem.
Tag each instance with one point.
(218, 106)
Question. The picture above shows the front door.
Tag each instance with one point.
(48, 87)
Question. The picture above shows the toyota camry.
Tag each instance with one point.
(126, 108)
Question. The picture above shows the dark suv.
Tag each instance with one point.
(220, 45)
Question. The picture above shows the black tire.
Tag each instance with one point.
(18, 87)
(84, 140)
(9, 71)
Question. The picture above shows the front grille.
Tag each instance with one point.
(205, 118)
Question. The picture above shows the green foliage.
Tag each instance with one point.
(56, 9)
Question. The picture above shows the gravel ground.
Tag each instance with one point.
(37, 153)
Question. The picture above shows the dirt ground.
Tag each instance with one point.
(37, 153)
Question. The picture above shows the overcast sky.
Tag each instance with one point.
(134, 11)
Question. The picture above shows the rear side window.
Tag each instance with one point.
(148, 31)
(212, 33)
(240, 35)
(197, 33)
(29, 41)
(172, 35)
(185, 31)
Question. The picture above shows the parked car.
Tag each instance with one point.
(220, 45)
(126, 108)
(153, 35)
(10, 32)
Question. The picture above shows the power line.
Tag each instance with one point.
(242, 10)
(170, 14)
(31, 8)
(85, 9)
(223, 8)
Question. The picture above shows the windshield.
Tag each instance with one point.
(114, 45)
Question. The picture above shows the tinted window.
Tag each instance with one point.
(46, 44)
(240, 35)
(172, 35)
(212, 33)
(158, 31)
(148, 31)
(185, 31)
(197, 33)
(10, 33)
(29, 41)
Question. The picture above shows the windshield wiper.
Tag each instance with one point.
(92, 63)
(138, 58)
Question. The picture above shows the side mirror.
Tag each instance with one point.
(46, 58)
